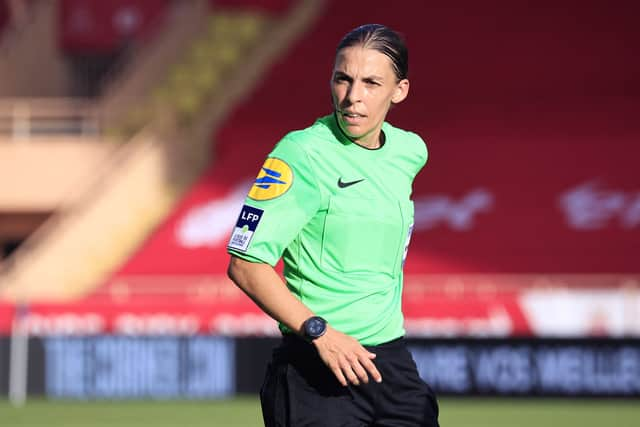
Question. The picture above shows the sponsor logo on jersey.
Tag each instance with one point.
(245, 227)
(274, 180)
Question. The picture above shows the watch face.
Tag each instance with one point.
(315, 327)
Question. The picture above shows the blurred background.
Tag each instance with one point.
(131, 130)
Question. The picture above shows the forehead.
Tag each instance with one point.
(354, 60)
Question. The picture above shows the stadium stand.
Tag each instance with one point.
(529, 114)
(506, 119)
(46, 126)
(33, 29)
(97, 36)
(500, 101)
(193, 81)
(143, 178)
(95, 26)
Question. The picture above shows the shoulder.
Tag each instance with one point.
(409, 142)
(303, 141)
(319, 130)
(297, 149)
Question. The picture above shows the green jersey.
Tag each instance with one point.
(340, 216)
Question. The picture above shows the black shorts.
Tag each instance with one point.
(300, 390)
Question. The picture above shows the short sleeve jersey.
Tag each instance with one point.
(340, 216)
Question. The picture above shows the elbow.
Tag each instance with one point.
(241, 272)
(245, 274)
(233, 270)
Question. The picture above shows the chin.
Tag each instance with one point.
(351, 131)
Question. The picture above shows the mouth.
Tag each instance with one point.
(351, 117)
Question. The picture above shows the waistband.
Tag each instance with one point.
(293, 341)
(297, 351)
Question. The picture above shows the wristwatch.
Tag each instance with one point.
(314, 327)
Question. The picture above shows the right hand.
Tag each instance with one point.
(349, 361)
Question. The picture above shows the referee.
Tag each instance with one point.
(333, 201)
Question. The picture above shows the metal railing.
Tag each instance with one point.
(31, 117)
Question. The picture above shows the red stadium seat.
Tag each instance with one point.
(95, 26)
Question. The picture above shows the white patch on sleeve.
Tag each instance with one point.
(245, 228)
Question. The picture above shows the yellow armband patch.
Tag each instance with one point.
(274, 180)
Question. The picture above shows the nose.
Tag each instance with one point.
(355, 92)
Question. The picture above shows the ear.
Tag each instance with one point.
(401, 91)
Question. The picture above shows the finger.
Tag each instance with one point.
(339, 375)
(354, 362)
(363, 376)
(371, 369)
(349, 374)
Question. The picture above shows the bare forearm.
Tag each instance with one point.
(349, 361)
(265, 287)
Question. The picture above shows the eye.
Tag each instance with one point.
(370, 82)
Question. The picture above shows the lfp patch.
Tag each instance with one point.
(245, 227)
(274, 179)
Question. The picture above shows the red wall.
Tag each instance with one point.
(4, 15)
(521, 106)
(276, 6)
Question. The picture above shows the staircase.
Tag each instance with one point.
(135, 190)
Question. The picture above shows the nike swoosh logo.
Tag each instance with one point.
(343, 184)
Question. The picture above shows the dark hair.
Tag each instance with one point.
(384, 40)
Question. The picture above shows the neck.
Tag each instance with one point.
(372, 141)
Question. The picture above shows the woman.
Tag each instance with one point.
(333, 201)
